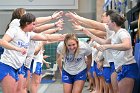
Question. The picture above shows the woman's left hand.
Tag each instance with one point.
(101, 47)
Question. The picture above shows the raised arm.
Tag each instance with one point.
(125, 45)
(44, 27)
(98, 33)
(50, 42)
(56, 15)
(51, 31)
(95, 38)
(48, 37)
(88, 22)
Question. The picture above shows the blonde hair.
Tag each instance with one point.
(70, 37)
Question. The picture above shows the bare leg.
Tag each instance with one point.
(106, 88)
(93, 83)
(97, 85)
(67, 88)
(114, 82)
(110, 88)
(78, 86)
(28, 81)
(126, 85)
(8, 84)
(21, 84)
(35, 81)
(102, 83)
(90, 86)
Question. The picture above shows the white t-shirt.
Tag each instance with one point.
(39, 56)
(122, 57)
(74, 65)
(108, 53)
(31, 50)
(19, 39)
(30, 53)
(94, 50)
(14, 22)
(107, 59)
(95, 54)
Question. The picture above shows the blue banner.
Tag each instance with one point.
(107, 2)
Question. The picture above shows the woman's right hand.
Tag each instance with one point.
(59, 23)
(22, 50)
(57, 15)
(71, 15)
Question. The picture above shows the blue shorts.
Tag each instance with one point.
(67, 78)
(37, 68)
(112, 67)
(97, 71)
(129, 71)
(6, 69)
(107, 74)
(31, 67)
(91, 71)
(24, 71)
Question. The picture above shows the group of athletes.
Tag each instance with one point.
(107, 58)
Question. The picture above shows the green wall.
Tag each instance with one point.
(50, 50)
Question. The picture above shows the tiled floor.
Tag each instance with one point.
(56, 87)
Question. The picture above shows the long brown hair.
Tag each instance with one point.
(17, 14)
(117, 18)
(70, 36)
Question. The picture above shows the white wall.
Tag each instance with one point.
(86, 8)
(39, 4)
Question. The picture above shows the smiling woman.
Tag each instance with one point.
(74, 67)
